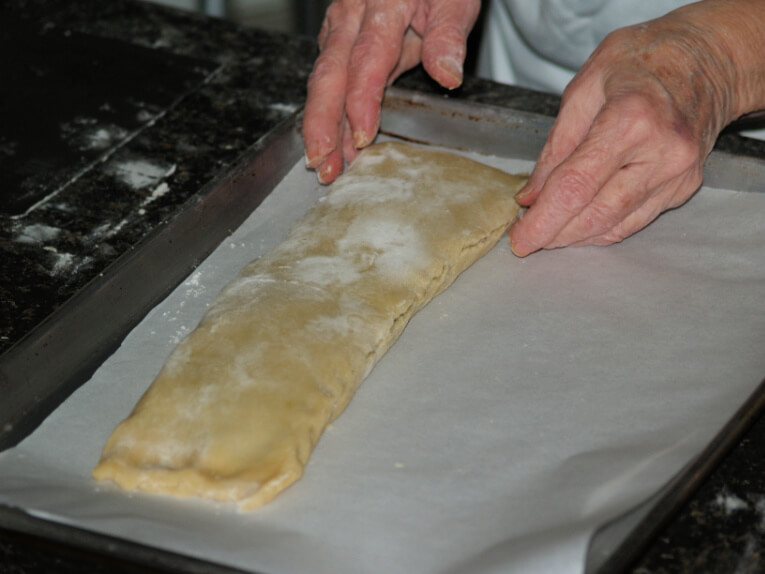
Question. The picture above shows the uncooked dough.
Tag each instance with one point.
(238, 407)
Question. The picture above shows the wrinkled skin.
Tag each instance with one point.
(365, 45)
(629, 142)
(634, 127)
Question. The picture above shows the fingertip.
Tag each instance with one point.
(361, 138)
(450, 72)
(330, 168)
(525, 196)
(312, 162)
(319, 145)
(519, 247)
(326, 173)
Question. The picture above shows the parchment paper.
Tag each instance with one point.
(529, 403)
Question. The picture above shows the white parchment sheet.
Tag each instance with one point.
(529, 403)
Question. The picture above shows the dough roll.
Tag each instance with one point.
(239, 405)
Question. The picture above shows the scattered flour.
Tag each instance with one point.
(282, 107)
(394, 248)
(194, 285)
(325, 270)
(86, 133)
(144, 116)
(37, 233)
(730, 502)
(62, 263)
(158, 192)
(141, 173)
(103, 137)
(106, 230)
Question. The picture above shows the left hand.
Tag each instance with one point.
(634, 128)
(365, 45)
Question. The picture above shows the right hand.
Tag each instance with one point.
(364, 46)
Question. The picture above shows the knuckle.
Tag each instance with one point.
(684, 152)
(638, 117)
(599, 218)
(327, 64)
(617, 38)
(365, 58)
(447, 32)
(338, 14)
(573, 188)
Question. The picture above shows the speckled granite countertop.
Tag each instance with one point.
(135, 166)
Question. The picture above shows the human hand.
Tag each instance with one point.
(364, 46)
(634, 128)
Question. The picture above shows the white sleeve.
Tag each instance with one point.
(540, 44)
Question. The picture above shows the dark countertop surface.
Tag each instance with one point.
(131, 149)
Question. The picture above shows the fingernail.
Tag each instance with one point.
(519, 248)
(452, 68)
(523, 193)
(325, 174)
(314, 161)
(361, 139)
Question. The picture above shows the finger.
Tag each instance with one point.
(670, 195)
(331, 167)
(572, 185)
(580, 104)
(631, 224)
(410, 55)
(349, 151)
(325, 103)
(445, 39)
(619, 133)
(375, 55)
(622, 195)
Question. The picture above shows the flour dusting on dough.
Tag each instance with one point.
(326, 270)
(395, 247)
(371, 190)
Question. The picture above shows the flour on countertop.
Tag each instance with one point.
(104, 137)
(158, 192)
(62, 262)
(141, 173)
(144, 116)
(37, 233)
(282, 107)
(730, 502)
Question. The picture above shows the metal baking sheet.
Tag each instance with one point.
(36, 390)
